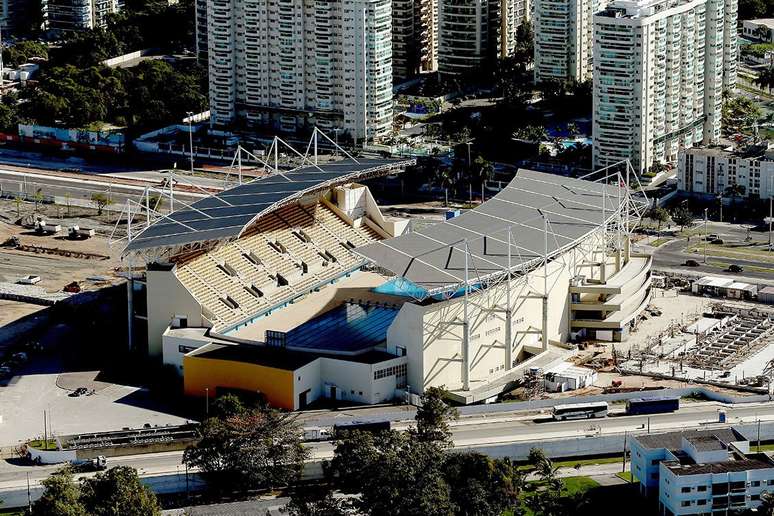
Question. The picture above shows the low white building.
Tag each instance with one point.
(567, 377)
(701, 472)
(761, 30)
(711, 170)
(724, 287)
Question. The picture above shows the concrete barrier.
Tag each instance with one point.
(51, 456)
(681, 392)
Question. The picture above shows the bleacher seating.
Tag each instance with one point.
(286, 254)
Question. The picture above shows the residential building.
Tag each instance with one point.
(428, 35)
(660, 70)
(564, 38)
(761, 30)
(414, 37)
(13, 13)
(292, 64)
(701, 471)
(200, 28)
(473, 33)
(74, 15)
(712, 170)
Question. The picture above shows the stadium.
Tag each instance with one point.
(297, 288)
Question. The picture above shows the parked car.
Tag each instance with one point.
(691, 263)
(735, 268)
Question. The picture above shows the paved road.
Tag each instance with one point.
(78, 189)
(672, 256)
(505, 428)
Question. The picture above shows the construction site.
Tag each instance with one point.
(730, 343)
(679, 340)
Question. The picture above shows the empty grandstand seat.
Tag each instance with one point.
(284, 255)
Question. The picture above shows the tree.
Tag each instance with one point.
(480, 485)
(315, 501)
(433, 416)
(765, 79)
(22, 51)
(118, 492)
(37, 197)
(767, 504)
(9, 118)
(525, 43)
(683, 217)
(739, 115)
(250, 448)
(659, 215)
(484, 169)
(61, 496)
(101, 201)
(751, 9)
(530, 133)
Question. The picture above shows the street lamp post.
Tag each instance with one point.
(189, 114)
(771, 199)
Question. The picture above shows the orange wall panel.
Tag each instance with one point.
(200, 373)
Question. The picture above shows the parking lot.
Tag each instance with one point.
(41, 387)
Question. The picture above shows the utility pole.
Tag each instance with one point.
(705, 235)
(45, 431)
(759, 435)
(207, 401)
(29, 495)
(469, 144)
(623, 464)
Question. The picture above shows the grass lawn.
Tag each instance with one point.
(752, 268)
(586, 461)
(660, 241)
(572, 485)
(612, 500)
(733, 252)
(626, 475)
(39, 444)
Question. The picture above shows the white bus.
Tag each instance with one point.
(580, 411)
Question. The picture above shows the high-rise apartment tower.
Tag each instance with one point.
(293, 64)
(660, 70)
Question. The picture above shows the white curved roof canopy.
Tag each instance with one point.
(434, 257)
(229, 213)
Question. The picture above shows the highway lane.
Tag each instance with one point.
(78, 190)
(508, 428)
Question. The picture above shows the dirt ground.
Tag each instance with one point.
(13, 310)
(54, 269)
(40, 258)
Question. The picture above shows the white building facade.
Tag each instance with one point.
(62, 16)
(293, 64)
(564, 38)
(701, 472)
(711, 171)
(660, 71)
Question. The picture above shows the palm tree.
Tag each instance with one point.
(735, 191)
(765, 79)
(766, 508)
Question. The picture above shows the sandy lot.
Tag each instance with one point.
(54, 269)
